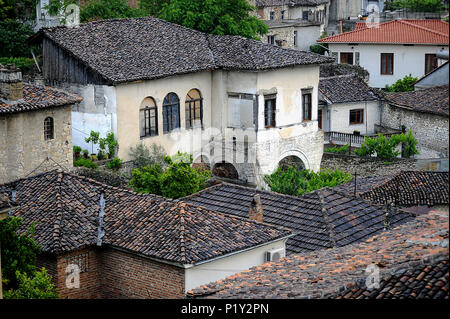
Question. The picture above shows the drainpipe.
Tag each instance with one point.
(340, 22)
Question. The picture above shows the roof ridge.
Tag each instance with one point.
(421, 27)
(182, 222)
(60, 213)
(330, 226)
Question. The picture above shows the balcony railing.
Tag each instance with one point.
(352, 139)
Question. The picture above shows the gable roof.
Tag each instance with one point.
(321, 219)
(333, 272)
(67, 209)
(37, 98)
(407, 188)
(396, 32)
(124, 50)
(346, 88)
(433, 100)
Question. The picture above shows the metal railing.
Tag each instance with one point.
(348, 138)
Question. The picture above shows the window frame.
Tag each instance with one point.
(319, 118)
(309, 109)
(350, 116)
(49, 128)
(295, 37)
(270, 110)
(347, 55)
(168, 110)
(192, 108)
(430, 58)
(282, 12)
(271, 39)
(147, 119)
(272, 15)
(384, 56)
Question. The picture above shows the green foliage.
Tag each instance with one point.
(218, 17)
(111, 144)
(84, 162)
(178, 180)
(93, 138)
(142, 156)
(292, 181)
(403, 85)
(320, 48)
(114, 164)
(415, 5)
(152, 7)
(386, 148)
(18, 9)
(85, 152)
(18, 252)
(13, 35)
(108, 9)
(24, 64)
(38, 286)
(409, 145)
(338, 149)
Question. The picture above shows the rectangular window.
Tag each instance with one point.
(387, 63)
(319, 118)
(305, 15)
(149, 122)
(269, 110)
(306, 106)
(357, 116)
(272, 15)
(347, 57)
(282, 14)
(271, 39)
(295, 38)
(430, 62)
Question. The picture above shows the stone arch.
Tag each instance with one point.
(225, 170)
(293, 156)
(201, 161)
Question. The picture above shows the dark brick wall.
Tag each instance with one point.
(128, 276)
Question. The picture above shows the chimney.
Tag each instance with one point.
(256, 209)
(11, 86)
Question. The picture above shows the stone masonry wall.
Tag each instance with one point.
(22, 144)
(431, 131)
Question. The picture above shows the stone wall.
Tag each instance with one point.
(23, 148)
(365, 166)
(430, 130)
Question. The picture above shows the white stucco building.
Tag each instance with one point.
(392, 50)
(223, 99)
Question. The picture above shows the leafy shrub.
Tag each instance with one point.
(24, 64)
(416, 5)
(178, 180)
(114, 164)
(291, 181)
(386, 148)
(143, 156)
(84, 162)
(38, 286)
(18, 252)
(403, 85)
(338, 150)
(13, 36)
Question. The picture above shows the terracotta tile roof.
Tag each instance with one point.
(407, 188)
(346, 88)
(38, 97)
(429, 281)
(67, 210)
(434, 100)
(308, 3)
(321, 219)
(123, 50)
(333, 272)
(396, 32)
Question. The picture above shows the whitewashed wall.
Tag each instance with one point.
(227, 266)
(407, 60)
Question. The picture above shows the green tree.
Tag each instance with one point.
(403, 85)
(13, 35)
(38, 286)
(152, 7)
(179, 179)
(292, 181)
(18, 251)
(220, 17)
(416, 5)
(18, 9)
(409, 144)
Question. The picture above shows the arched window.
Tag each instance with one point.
(148, 117)
(171, 112)
(194, 109)
(49, 128)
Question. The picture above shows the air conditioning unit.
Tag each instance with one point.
(275, 254)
